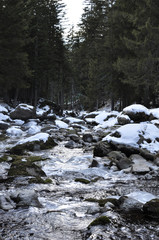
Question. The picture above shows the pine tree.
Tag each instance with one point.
(14, 68)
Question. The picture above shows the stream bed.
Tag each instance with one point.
(67, 210)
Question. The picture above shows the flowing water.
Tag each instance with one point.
(66, 214)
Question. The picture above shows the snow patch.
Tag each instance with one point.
(38, 137)
(61, 124)
(14, 132)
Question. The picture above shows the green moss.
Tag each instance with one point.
(25, 166)
(96, 179)
(103, 220)
(36, 158)
(40, 180)
(3, 137)
(82, 180)
(4, 158)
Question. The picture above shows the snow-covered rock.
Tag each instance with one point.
(155, 113)
(123, 119)
(136, 136)
(39, 141)
(23, 112)
(61, 124)
(4, 117)
(137, 112)
(3, 109)
(14, 132)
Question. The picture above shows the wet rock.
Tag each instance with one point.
(94, 164)
(6, 203)
(70, 144)
(23, 112)
(140, 165)
(102, 149)
(157, 161)
(151, 208)
(87, 138)
(25, 198)
(74, 137)
(128, 204)
(22, 166)
(4, 125)
(120, 159)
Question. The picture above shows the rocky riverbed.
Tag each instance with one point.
(83, 176)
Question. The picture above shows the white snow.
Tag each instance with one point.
(38, 137)
(74, 120)
(26, 106)
(130, 135)
(124, 116)
(141, 196)
(155, 112)
(3, 109)
(18, 122)
(14, 132)
(4, 117)
(109, 123)
(34, 129)
(136, 108)
(61, 124)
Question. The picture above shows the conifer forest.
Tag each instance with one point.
(113, 56)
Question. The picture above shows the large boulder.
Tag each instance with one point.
(23, 112)
(137, 113)
(136, 138)
(39, 141)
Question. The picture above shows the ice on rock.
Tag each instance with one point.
(141, 196)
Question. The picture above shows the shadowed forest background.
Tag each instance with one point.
(114, 56)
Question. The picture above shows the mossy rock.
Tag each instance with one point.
(25, 167)
(103, 220)
(4, 158)
(82, 180)
(40, 180)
